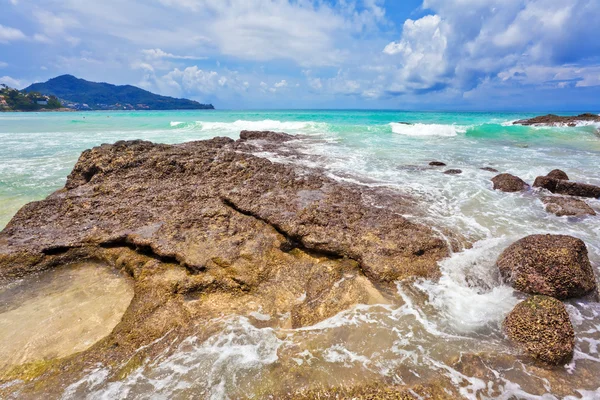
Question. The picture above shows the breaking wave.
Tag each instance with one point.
(426, 129)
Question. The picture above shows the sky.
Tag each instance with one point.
(401, 54)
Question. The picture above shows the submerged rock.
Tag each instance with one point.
(206, 229)
(560, 186)
(564, 206)
(453, 172)
(437, 164)
(555, 120)
(541, 326)
(552, 265)
(558, 174)
(509, 183)
(489, 169)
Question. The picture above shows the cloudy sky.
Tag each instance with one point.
(401, 54)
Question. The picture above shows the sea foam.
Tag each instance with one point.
(426, 129)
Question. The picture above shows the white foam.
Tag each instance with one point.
(176, 123)
(264, 125)
(427, 129)
(470, 294)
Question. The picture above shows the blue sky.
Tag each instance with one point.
(413, 54)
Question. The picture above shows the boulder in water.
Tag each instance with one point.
(552, 265)
(565, 206)
(207, 229)
(453, 172)
(509, 183)
(437, 164)
(489, 169)
(541, 326)
(560, 186)
(558, 174)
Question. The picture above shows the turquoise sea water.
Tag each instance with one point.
(38, 151)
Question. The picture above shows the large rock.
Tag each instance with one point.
(561, 186)
(541, 326)
(552, 265)
(509, 183)
(205, 230)
(555, 120)
(565, 206)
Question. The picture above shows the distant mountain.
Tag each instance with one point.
(82, 94)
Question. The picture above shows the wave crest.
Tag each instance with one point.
(426, 129)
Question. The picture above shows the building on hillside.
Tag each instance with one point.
(42, 102)
(3, 103)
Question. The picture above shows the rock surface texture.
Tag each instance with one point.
(541, 326)
(561, 186)
(509, 183)
(565, 206)
(558, 174)
(551, 265)
(207, 229)
(555, 120)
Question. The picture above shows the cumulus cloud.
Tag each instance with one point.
(8, 34)
(466, 42)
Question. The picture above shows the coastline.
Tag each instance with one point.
(243, 194)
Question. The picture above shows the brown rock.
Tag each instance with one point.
(564, 206)
(552, 265)
(437, 164)
(206, 229)
(453, 172)
(569, 188)
(509, 183)
(489, 169)
(554, 120)
(541, 326)
(277, 137)
(558, 174)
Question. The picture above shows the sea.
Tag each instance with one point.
(439, 325)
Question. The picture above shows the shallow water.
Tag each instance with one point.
(437, 328)
(61, 312)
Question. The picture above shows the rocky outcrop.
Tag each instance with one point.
(541, 326)
(558, 174)
(275, 137)
(555, 120)
(560, 186)
(207, 229)
(453, 172)
(565, 206)
(552, 265)
(509, 183)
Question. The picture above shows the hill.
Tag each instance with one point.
(82, 94)
(14, 100)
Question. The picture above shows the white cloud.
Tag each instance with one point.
(421, 54)
(8, 34)
(281, 84)
(468, 41)
(3, 64)
(11, 82)
(158, 53)
(193, 81)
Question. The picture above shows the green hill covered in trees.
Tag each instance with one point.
(82, 94)
(14, 100)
